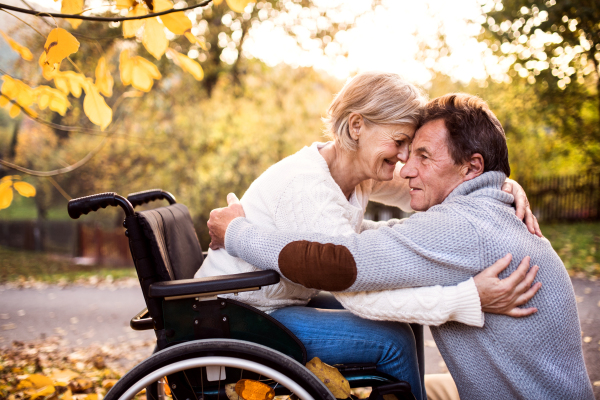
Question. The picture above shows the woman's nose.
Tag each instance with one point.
(403, 154)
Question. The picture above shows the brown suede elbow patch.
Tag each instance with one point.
(318, 266)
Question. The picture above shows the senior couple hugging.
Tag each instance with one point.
(460, 264)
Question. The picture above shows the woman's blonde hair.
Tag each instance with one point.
(380, 98)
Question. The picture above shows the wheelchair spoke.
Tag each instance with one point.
(189, 383)
(202, 384)
(219, 390)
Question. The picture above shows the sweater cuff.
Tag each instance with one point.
(233, 234)
(464, 304)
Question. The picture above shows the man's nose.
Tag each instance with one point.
(408, 170)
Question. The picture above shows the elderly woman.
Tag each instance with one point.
(325, 188)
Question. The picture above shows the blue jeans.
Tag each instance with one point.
(340, 337)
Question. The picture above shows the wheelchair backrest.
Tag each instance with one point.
(173, 241)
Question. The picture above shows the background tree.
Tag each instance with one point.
(554, 46)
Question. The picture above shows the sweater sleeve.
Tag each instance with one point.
(392, 193)
(430, 248)
(432, 305)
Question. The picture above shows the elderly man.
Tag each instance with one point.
(458, 163)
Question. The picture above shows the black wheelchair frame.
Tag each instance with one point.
(205, 344)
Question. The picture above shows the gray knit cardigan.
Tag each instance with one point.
(537, 357)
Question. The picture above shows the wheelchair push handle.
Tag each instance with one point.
(139, 198)
(84, 205)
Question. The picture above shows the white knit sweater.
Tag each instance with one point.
(299, 194)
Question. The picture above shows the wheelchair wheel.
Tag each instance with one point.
(204, 369)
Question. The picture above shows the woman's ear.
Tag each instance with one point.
(474, 167)
(355, 123)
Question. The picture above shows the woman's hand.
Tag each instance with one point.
(504, 296)
(523, 210)
(219, 221)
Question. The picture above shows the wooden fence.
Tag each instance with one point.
(564, 198)
(552, 199)
(89, 243)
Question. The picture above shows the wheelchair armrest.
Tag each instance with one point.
(213, 285)
(142, 321)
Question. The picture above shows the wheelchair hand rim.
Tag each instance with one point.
(221, 361)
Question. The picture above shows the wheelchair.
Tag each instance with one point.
(205, 345)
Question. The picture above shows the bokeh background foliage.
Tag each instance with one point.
(201, 139)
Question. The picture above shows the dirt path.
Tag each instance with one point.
(83, 315)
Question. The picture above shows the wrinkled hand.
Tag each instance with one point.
(504, 296)
(219, 221)
(523, 210)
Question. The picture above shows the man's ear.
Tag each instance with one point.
(474, 167)
(355, 123)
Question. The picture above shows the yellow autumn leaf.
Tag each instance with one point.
(43, 392)
(63, 375)
(177, 22)
(104, 80)
(238, 5)
(194, 40)
(55, 99)
(36, 381)
(187, 64)
(47, 69)
(95, 107)
(72, 7)
(14, 111)
(249, 389)
(124, 4)
(161, 5)
(217, 2)
(68, 395)
(137, 71)
(25, 190)
(59, 45)
(4, 100)
(125, 67)
(331, 377)
(69, 82)
(155, 40)
(22, 50)
(130, 28)
(20, 93)
(6, 195)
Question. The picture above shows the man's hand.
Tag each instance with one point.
(523, 210)
(219, 221)
(504, 296)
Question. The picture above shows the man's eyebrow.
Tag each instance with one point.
(421, 150)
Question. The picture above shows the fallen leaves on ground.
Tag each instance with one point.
(331, 377)
(50, 370)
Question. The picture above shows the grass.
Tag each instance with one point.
(23, 208)
(24, 265)
(578, 245)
